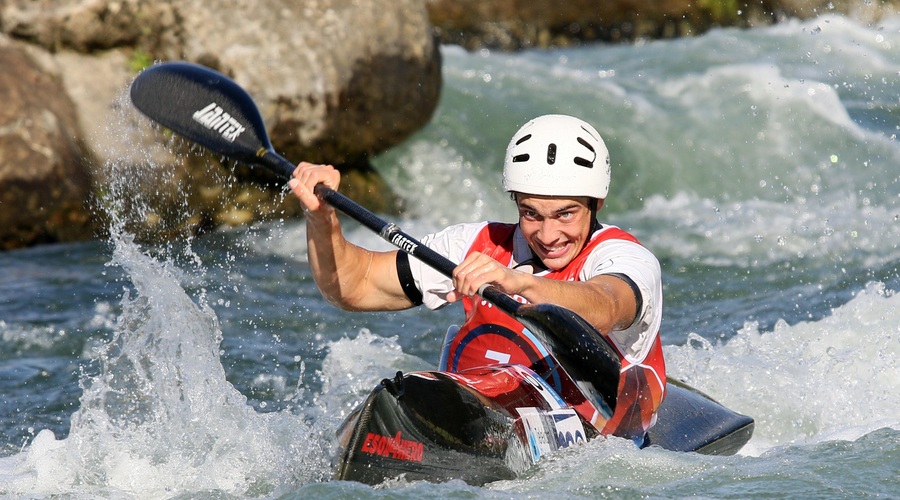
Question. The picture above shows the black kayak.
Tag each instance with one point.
(493, 423)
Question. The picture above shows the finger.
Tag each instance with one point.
(306, 198)
(302, 167)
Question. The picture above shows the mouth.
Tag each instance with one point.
(555, 251)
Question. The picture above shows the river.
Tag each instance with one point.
(761, 166)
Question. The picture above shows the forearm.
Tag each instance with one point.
(606, 302)
(337, 265)
(348, 276)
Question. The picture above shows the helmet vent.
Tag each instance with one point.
(586, 144)
(523, 139)
(584, 162)
(551, 154)
(521, 158)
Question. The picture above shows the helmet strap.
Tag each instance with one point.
(595, 204)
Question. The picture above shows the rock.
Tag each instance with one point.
(516, 24)
(337, 81)
(44, 179)
(867, 11)
(85, 25)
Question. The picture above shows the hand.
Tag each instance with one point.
(306, 177)
(477, 270)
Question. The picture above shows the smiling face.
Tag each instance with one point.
(556, 228)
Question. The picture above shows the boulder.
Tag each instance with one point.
(44, 178)
(86, 26)
(865, 11)
(336, 80)
(516, 24)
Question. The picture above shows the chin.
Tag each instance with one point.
(557, 263)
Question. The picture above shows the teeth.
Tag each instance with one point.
(554, 249)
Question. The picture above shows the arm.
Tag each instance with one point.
(350, 277)
(605, 301)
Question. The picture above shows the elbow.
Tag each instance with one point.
(346, 298)
(342, 301)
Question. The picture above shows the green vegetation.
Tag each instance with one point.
(721, 11)
(139, 60)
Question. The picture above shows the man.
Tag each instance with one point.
(557, 170)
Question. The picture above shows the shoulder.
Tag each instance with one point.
(463, 231)
(616, 251)
(453, 241)
(609, 232)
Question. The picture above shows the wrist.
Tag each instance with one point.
(526, 283)
(323, 218)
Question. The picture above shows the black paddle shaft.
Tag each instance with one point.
(213, 111)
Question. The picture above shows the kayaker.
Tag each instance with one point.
(557, 170)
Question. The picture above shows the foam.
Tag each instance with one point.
(835, 378)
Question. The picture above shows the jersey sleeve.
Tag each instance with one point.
(454, 243)
(621, 257)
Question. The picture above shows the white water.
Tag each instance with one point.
(161, 419)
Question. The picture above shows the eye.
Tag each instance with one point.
(528, 214)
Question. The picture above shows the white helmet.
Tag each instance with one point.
(557, 155)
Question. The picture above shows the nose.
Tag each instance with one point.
(548, 232)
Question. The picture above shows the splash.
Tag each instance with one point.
(354, 365)
(836, 378)
(158, 417)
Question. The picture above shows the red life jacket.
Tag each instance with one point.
(490, 337)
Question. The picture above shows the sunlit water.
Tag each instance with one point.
(761, 166)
